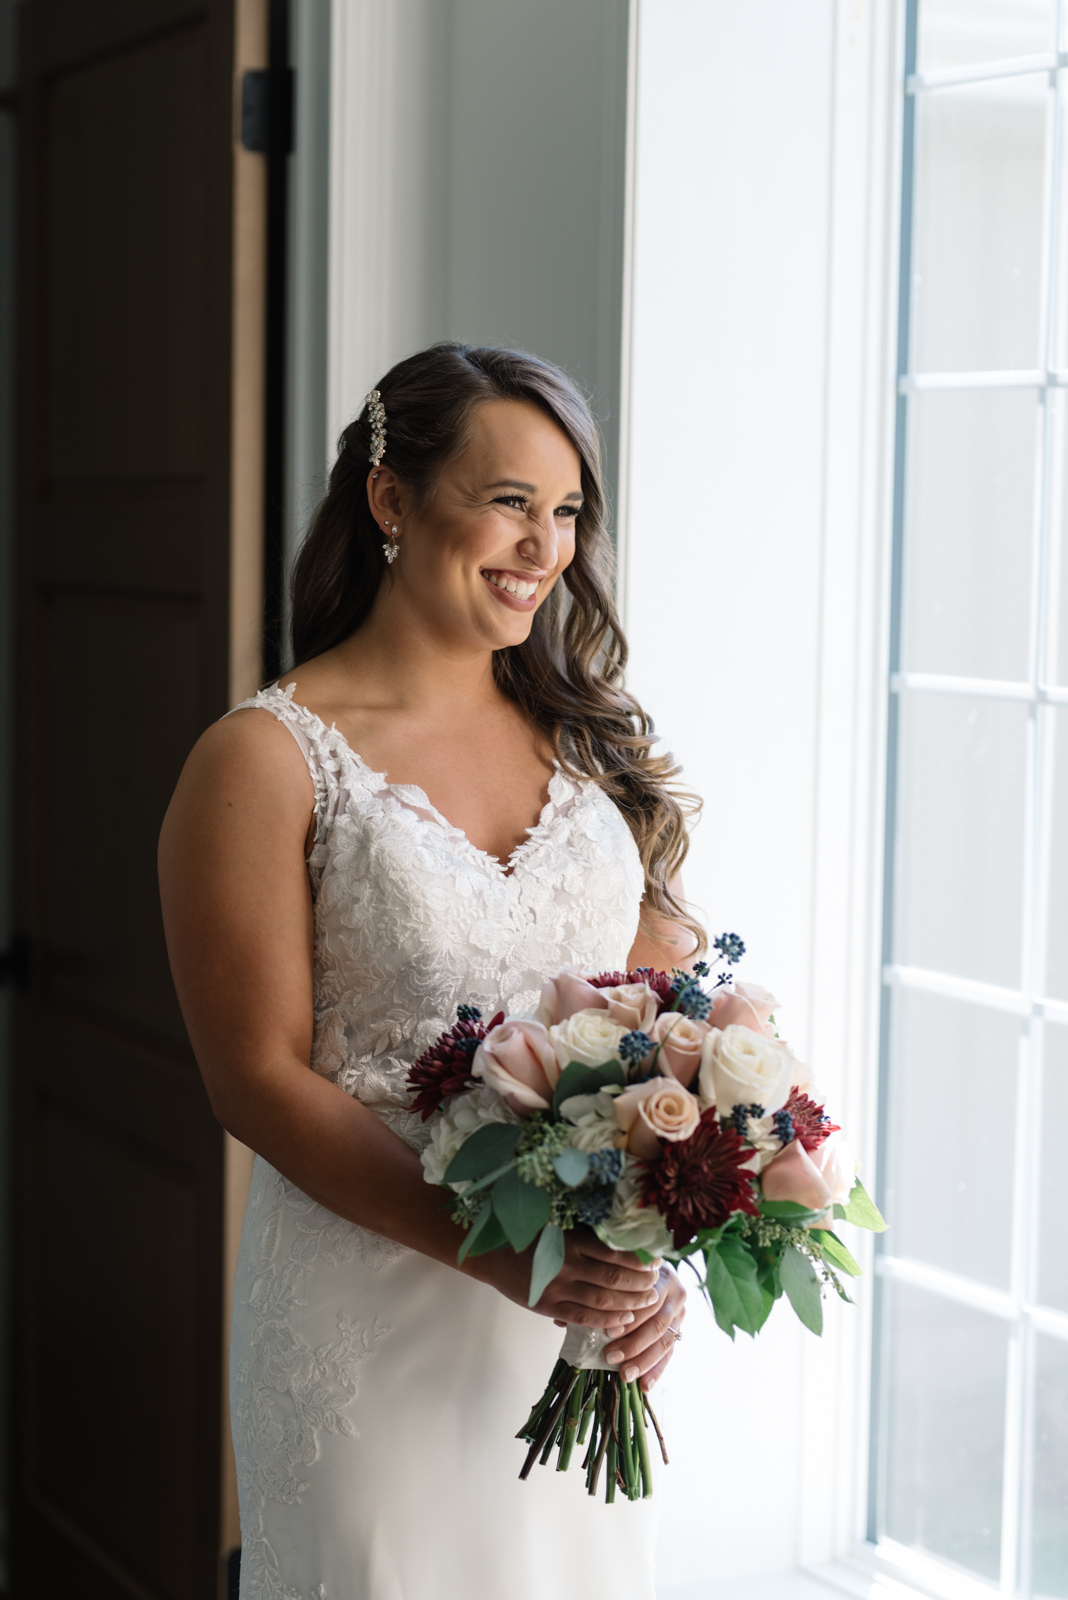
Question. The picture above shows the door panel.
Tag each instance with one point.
(128, 501)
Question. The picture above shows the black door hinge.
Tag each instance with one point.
(267, 110)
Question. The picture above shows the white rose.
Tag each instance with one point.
(838, 1166)
(589, 1036)
(741, 1067)
(630, 1225)
(466, 1113)
(593, 1118)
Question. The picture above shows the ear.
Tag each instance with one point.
(383, 495)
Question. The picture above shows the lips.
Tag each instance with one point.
(509, 583)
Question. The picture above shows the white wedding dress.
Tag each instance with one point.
(375, 1394)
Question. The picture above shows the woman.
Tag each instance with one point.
(503, 816)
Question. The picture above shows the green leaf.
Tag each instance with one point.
(836, 1252)
(571, 1166)
(790, 1211)
(492, 1237)
(733, 1288)
(488, 1147)
(491, 1177)
(548, 1259)
(861, 1210)
(801, 1287)
(523, 1208)
(577, 1078)
(483, 1222)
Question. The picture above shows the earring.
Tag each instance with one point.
(391, 549)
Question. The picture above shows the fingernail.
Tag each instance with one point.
(651, 1299)
(627, 1318)
(657, 1264)
(629, 1374)
(650, 1385)
(614, 1357)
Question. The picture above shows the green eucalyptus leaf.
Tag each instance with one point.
(801, 1287)
(490, 1146)
(577, 1078)
(522, 1208)
(480, 1222)
(492, 1236)
(789, 1211)
(572, 1166)
(861, 1210)
(548, 1259)
(733, 1288)
(836, 1252)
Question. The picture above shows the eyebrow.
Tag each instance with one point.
(528, 488)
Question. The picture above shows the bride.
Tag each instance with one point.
(447, 799)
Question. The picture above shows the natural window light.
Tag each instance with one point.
(970, 1434)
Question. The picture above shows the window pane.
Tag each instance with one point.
(945, 1418)
(954, 33)
(1049, 1547)
(978, 226)
(1056, 664)
(969, 533)
(1057, 948)
(951, 1198)
(960, 821)
(1053, 1255)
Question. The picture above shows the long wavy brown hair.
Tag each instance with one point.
(567, 677)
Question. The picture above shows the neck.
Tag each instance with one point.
(398, 661)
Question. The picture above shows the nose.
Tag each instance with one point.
(541, 543)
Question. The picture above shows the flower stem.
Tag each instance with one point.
(641, 1440)
(625, 1447)
(651, 1414)
(547, 1431)
(569, 1431)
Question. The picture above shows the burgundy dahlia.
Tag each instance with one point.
(659, 982)
(445, 1068)
(698, 1182)
(811, 1122)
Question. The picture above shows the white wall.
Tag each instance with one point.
(756, 524)
(478, 156)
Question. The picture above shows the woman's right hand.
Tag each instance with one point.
(596, 1287)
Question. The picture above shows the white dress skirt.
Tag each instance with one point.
(376, 1394)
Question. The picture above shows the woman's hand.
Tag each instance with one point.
(596, 1287)
(648, 1346)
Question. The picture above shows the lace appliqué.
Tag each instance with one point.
(286, 1393)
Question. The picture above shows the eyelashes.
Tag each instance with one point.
(520, 503)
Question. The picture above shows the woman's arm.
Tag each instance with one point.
(238, 917)
(661, 943)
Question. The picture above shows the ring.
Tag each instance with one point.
(676, 1332)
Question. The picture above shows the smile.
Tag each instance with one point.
(510, 586)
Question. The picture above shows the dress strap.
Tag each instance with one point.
(312, 737)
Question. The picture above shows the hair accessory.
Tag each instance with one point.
(391, 549)
(376, 413)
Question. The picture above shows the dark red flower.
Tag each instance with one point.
(659, 982)
(698, 1182)
(445, 1068)
(811, 1122)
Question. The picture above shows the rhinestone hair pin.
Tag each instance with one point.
(376, 413)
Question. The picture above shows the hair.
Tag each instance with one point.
(567, 676)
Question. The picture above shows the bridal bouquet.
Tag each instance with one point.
(665, 1113)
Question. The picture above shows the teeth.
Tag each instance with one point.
(516, 586)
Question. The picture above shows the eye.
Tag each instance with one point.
(567, 511)
(518, 501)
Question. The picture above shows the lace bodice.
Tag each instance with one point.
(411, 918)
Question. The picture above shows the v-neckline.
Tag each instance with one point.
(505, 869)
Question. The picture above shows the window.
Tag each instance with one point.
(970, 1438)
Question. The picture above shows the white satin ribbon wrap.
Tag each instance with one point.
(585, 1347)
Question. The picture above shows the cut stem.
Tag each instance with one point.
(651, 1414)
(569, 1431)
(547, 1431)
(641, 1440)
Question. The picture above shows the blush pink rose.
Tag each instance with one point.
(567, 993)
(518, 1060)
(680, 1040)
(793, 1175)
(632, 1005)
(658, 1109)
(837, 1166)
(747, 1005)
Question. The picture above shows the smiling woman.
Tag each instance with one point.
(332, 909)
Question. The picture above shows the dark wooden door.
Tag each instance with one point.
(127, 380)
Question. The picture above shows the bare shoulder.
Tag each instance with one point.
(246, 768)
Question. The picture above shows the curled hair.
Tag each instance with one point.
(567, 677)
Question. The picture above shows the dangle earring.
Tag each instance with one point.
(391, 548)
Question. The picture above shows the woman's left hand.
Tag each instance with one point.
(646, 1348)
